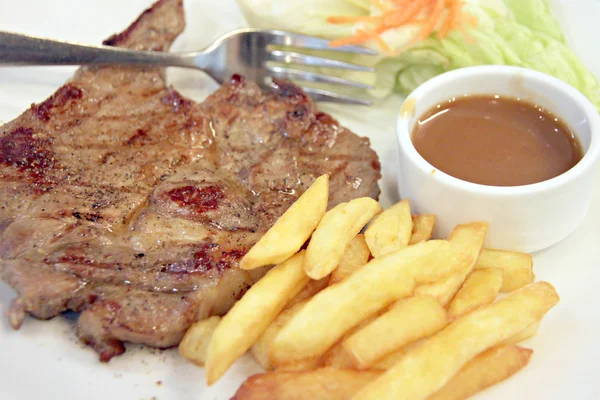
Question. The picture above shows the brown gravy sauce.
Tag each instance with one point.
(497, 141)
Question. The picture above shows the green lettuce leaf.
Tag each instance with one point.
(508, 32)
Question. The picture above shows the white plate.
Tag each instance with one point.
(45, 360)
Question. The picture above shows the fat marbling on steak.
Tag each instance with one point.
(126, 202)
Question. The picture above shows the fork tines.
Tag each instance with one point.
(291, 58)
(312, 42)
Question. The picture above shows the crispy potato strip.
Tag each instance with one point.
(525, 334)
(467, 238)
(338, 308)
(320, 384)
(517, 267)
(292, 229)
(355, 256)
(312, 287)
(261, 349)
(391, 230)
(487, 369)
(194, 344)
(407, 321)
(252, 314)
(393, 358)
(481, 288)
(337, 356)
(422, 228)
(427, 369)
(333, 234)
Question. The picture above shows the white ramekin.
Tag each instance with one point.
(524, 218)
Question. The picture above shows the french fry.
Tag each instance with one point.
(427, 369)
(252, 314)
(389, 360)
(394, 357)
(262, 347)
(486, 369)
(490, 367)
(194, 344)
(481, 288)
(517, 267)
(337, 356)
(355, 256)
(422, 228)
(525, 334)
(323, 383)
(292, 229)
(336, 229)
(467, 238)
(305, 365)
(338, 308)
(312, 287)
(391, 230)
(408, 320)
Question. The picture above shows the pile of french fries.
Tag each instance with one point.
(384, 314)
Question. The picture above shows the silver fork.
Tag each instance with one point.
(248, 52)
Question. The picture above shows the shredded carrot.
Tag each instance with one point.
(431, 16)
(379, 4)
(384, 46)
(352, 20)
(434, 17)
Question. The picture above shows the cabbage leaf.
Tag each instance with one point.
(508, 32)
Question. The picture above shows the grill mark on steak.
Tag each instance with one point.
(128, 203)
(27, 153)
(199, 200)
(60, 99)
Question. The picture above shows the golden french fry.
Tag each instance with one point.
(252, 314)
(422, 228)
(261, 349)
(305, 365)
(483, 371)
(428, 368)
(355, 256)
(408, 320)
(194, 344)
(336, 229)
(389, 360)
(391, 230)
(481, 288)
(525, 334)
(467, 238)
(312, 287)
(338, 308)
(292, 229)
(337, 356)
(517, 267)
(394, 357)
(323, 383)
(490, 367)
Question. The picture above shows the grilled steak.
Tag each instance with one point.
(128, 203)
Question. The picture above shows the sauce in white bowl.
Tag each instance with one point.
(527, 217)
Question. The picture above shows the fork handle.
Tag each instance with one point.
(16, 49)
